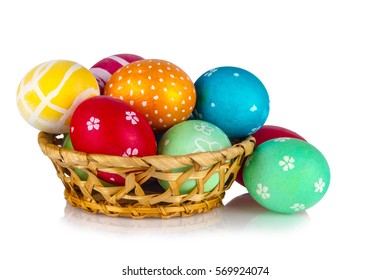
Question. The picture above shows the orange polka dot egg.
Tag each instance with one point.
(158, 89)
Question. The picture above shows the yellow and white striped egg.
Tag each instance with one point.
(50, 92)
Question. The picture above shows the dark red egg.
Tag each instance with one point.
(268, 132)
(107, 125)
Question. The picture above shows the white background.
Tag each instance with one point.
(325, 65)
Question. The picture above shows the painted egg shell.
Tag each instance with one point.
(189, 137)
(158, 89)
(103, 69)
(49, 93)
(268, 132)
(286, 175)
(106, 125)
(233, 99)
(83, 175)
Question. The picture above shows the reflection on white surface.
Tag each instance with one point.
(241, 213)
(244, 212)
(197, 222)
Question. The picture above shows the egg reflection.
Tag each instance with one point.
(245, 213)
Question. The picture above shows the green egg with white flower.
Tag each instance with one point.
(286, 175)
(188, 137)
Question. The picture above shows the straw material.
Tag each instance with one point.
(142, 196)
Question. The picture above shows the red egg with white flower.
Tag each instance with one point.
(107, 125)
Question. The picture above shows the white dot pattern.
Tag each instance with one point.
(158, 89)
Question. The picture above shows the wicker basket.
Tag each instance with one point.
(142, 196)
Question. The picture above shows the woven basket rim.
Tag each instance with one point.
(45, 140)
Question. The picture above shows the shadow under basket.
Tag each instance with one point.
(141, 195)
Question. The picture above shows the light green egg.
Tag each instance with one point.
(286, 175)
(67, 143)
(188, 137)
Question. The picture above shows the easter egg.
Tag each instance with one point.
(49, 93)
(83, 175)
(286, 175)
(268, 132)
(188, 137)
(106, 125)
(158, 89)
(103, 69)
(232, 98)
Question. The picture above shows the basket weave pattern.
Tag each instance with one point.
(141, 196)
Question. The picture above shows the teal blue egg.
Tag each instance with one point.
(232, 98)
(188, 137)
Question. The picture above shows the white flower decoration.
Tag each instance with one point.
(287, 163)
(204, 128)
(131, 116)
(298, 207)
(210, 72)
(282, 139)
(248, 160)
(262, 191)
(203, 145)
(130, 152)
(319, 185)
(253, 130)
(93, 123)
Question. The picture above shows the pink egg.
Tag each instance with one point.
(107, 125)
(104, 68)
(268, 132)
